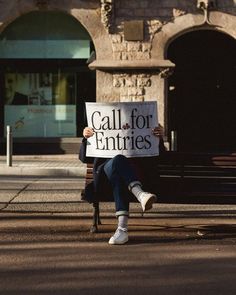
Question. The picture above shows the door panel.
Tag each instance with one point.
(202, 91)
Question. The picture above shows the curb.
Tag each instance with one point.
(29, 171)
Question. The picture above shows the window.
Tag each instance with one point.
(44, 75)
(41, 104)
(45, 35)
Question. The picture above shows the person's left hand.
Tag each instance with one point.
(158, 131)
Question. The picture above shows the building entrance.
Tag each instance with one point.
(202, 92)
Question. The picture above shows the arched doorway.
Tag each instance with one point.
(202, 91)
(44, 76)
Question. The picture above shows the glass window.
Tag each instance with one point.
(41, 104)
(45, 35)
(44, 78)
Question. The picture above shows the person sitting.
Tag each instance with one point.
(121, 177)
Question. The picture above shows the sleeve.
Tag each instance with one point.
(162, 148)
(82, 153)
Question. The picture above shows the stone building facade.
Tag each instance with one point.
(132, 40)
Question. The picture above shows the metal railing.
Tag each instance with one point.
(173, 143)
(9, 146)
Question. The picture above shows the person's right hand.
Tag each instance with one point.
(88, 132)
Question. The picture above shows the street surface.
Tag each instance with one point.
(46, 246)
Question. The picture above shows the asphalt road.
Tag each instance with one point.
(174, 249)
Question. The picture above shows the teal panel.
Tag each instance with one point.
(45, 49)
(45, 35)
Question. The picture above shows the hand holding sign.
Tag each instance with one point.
(158, 131)
(88, 132)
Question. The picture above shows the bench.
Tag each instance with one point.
(189, 178)
(198, 177)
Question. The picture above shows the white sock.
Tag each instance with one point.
(136, 189)
(123, 222)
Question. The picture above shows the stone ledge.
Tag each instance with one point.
(112, 65)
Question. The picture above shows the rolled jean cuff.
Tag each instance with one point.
(120, 213)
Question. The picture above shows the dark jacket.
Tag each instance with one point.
(146, 169)
(99, 188)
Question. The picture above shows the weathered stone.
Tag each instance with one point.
(116, 38)
(120, 47)
(178, 12)
(107, 13)
(118, 82)
(124, 91)
(154, 27)
(117, 55)
(124, 98)
(135, 91)
(164, 21)
(139, 55)
(134, 46)
(144, 82)
(131, 81)
(124, 56)
(146, 47)
(137, 98)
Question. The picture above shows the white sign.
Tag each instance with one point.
(122, 128)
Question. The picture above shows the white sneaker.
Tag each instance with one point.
(146, 200)
(120, 237)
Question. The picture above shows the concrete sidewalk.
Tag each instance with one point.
(167, 254)
(44, 165)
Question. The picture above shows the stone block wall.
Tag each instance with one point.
(133, 86)
(104, 20)
(155, 14)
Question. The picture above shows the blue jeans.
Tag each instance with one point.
(120, 174)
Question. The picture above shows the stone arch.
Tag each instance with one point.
(222, 22)
(86, 15)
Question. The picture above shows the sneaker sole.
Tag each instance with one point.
(150, 202)
(118, 243)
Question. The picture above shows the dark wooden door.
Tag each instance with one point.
(202, 92)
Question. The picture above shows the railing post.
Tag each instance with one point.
(173, 143)
(9, 146)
